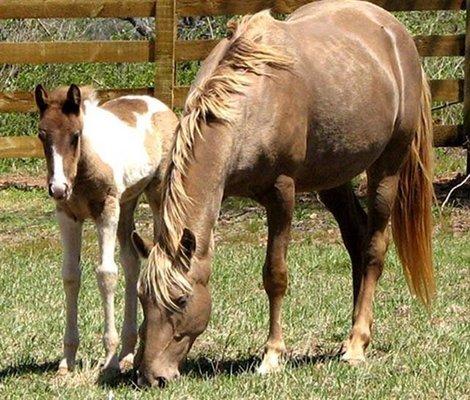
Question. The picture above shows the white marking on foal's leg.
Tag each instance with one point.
(71, 234)
(106, 275)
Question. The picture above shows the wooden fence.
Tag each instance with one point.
(167, 50)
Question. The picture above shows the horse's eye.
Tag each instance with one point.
(42, 135)
(75, 137)
(182, 301)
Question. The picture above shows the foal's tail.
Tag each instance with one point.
(412, 215)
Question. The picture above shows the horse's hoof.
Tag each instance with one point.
(354, 362)
(271, 363)
(352, 356)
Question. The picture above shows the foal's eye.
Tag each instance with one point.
(75, 137)
(42, 135)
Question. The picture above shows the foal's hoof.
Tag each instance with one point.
(65, 367)
(126, 363)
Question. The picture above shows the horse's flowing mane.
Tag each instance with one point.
(213, 95)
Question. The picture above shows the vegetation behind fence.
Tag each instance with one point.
(167, 51)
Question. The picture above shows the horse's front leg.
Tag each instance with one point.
(71, 235)
(279, 203)
(106, 275)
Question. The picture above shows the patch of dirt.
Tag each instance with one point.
(22, 181)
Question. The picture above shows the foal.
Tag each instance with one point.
(100, 159)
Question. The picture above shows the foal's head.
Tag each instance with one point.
(60, 129)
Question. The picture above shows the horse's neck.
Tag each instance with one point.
(204, 185)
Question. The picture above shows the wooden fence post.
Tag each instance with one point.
(466, 108)
(165, 37)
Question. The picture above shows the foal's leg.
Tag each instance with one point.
(352, 220)
(382, 188)
(71, 234)
(106, 275)
(130, 264)
(279, 203)
(153, 195)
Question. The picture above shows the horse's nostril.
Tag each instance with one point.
(161, 382)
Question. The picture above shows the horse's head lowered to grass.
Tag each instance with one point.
(170, 328)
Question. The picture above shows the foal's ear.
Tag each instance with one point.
(188, 243)
(40, 96)
(73, 100)
(142, 245)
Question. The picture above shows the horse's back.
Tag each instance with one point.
(361, 71)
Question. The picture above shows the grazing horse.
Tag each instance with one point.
(291, 106)
(100, 159)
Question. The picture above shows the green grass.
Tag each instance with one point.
(413, 355)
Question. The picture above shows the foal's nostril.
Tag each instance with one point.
(50, 190)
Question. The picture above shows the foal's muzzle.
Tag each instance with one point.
(59, 191)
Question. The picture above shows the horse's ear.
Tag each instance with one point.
(188, 243)
(40, 95)
(142, 245)
(73, 100)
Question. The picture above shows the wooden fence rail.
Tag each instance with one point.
(167, 50)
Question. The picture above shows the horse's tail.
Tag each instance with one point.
(412, 214)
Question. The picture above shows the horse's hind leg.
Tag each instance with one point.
(71, 234)
(279, 203)
(382, 189)
(130, 264)
(352, 221)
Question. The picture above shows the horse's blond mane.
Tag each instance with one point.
(213, 96)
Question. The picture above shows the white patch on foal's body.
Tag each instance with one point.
(121, 146)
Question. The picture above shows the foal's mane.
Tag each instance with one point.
(212, 96)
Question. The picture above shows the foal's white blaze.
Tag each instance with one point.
(58, 181)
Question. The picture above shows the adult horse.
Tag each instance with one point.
(285, 107)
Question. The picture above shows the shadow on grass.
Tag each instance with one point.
(205, 368)
(28, 367)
